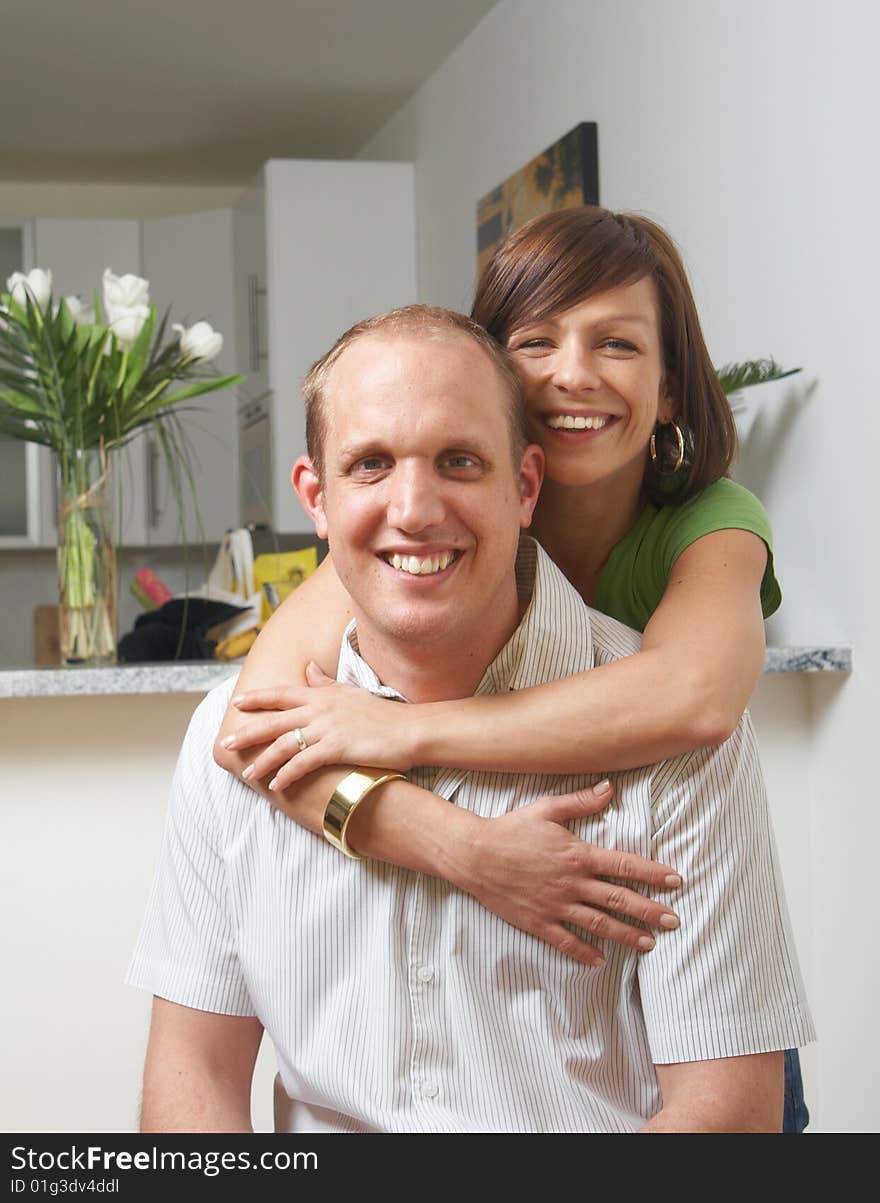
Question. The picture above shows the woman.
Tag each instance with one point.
(597, 314)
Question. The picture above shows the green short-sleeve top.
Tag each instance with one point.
(637, 572)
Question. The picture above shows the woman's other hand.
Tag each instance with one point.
(531, 871)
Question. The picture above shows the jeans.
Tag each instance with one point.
(795, 1116)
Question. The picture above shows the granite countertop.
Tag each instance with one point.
(199, 676)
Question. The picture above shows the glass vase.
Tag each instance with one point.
(86, 559)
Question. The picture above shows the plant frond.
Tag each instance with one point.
(736, 376)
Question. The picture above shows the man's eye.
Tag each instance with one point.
(461, 461)
(373, 463)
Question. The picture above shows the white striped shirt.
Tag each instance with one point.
(397, 1003)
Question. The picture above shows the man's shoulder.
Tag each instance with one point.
(568, 613)
(213, 705)
(197, 751)
(612, 640)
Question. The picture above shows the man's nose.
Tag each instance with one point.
(575, 369)
(416, 501)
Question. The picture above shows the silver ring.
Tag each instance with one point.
(300, 738)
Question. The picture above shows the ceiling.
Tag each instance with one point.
(199, 91)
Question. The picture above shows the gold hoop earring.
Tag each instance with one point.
(680, 450)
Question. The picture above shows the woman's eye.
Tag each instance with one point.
(529, 344)
(618, 344)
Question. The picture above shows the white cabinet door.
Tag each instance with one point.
(77, 250)
(252, 349)
(250, 299)
(19, 462)
(188, 260)
(340, 243)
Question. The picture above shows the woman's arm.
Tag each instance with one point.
(701, 657)
(526, 867)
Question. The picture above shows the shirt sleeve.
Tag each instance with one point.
(724, 505)
(186, 951)
(726, 983)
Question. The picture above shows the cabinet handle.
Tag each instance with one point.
(153, 515)
(254, 292)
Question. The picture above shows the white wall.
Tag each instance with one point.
(749, 130)
(82, 807)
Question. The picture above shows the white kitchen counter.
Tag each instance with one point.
(198, 676)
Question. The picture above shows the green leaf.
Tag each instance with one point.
(66, 324)
(24, 403)
(737, 376)
(199, 387)
(25, 434)
(137, 356)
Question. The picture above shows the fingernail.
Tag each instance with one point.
(599, 963)
(646, 942)
(273, 783)
(227, 742)
(673, 880)
(237, 699)
(248, 773)
(669, 921)
(602, 788)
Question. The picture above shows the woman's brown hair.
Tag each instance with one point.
(560, 259)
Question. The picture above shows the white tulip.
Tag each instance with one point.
(37, 282)
(200, 341)
(82, 314)
(124, 292)
(126, 321)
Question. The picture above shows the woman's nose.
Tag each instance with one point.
(415, 501)
(574, 370)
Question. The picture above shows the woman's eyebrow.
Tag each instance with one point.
(637, 319)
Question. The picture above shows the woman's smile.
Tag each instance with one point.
(577, 423)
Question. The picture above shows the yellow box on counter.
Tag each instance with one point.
(278, 573)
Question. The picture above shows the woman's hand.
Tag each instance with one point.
(340, 724)
(534, 873)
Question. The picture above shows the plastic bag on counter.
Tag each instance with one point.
(231, 581)
(185, 628)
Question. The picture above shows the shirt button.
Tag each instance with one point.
(425, 974)
(430, 1090)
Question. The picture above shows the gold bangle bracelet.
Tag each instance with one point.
(347, 797)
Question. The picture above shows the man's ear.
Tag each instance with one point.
(305, 481)
(531, 473)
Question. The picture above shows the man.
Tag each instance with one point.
(395, 1002)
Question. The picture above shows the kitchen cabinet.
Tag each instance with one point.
(319, 245)
(188, 260)
(311, 248)
(19, 462)
(77, 250)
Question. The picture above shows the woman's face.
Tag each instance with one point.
(594, 384)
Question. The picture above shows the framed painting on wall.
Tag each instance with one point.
(564, 175)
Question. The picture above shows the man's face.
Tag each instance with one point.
(421, 500)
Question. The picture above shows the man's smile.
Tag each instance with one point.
(422, 564)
